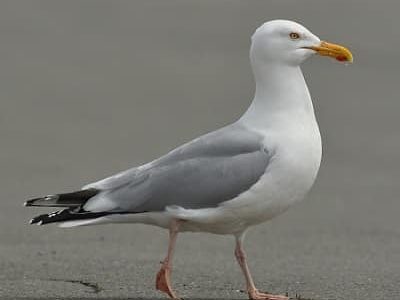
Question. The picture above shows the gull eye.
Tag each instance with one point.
(294, 36)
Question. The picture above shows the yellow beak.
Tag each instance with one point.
(338, 52)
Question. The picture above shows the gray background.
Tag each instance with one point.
(89, 88)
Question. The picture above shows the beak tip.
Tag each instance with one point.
(338, 52)
(345, 59)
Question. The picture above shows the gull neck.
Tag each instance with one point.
(281, 91)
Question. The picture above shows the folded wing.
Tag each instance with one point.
(200, 174)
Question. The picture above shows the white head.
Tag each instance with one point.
(289, 43)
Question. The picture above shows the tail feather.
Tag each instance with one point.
(74, 199)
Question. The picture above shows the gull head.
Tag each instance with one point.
(287, 42)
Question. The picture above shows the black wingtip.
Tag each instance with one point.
(74, 199)
(37, 220)
(49, 200)
(31, 202)
(28, 203)
(66, 215)
(40, 220)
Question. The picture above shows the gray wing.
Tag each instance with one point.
(202, 173)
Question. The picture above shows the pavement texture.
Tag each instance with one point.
(89, 88)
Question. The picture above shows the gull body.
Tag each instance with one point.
(281, 115)
(291, 139)
(228, 180)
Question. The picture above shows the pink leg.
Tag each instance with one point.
(254, 294)
(163, 283)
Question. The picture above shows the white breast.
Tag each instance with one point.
(295, 160)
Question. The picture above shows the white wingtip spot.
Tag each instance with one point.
(31, 221)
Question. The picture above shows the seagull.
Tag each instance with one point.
(227, 180)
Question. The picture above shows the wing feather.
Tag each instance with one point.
(200, 174)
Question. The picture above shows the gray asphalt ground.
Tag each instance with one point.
(89, 88)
